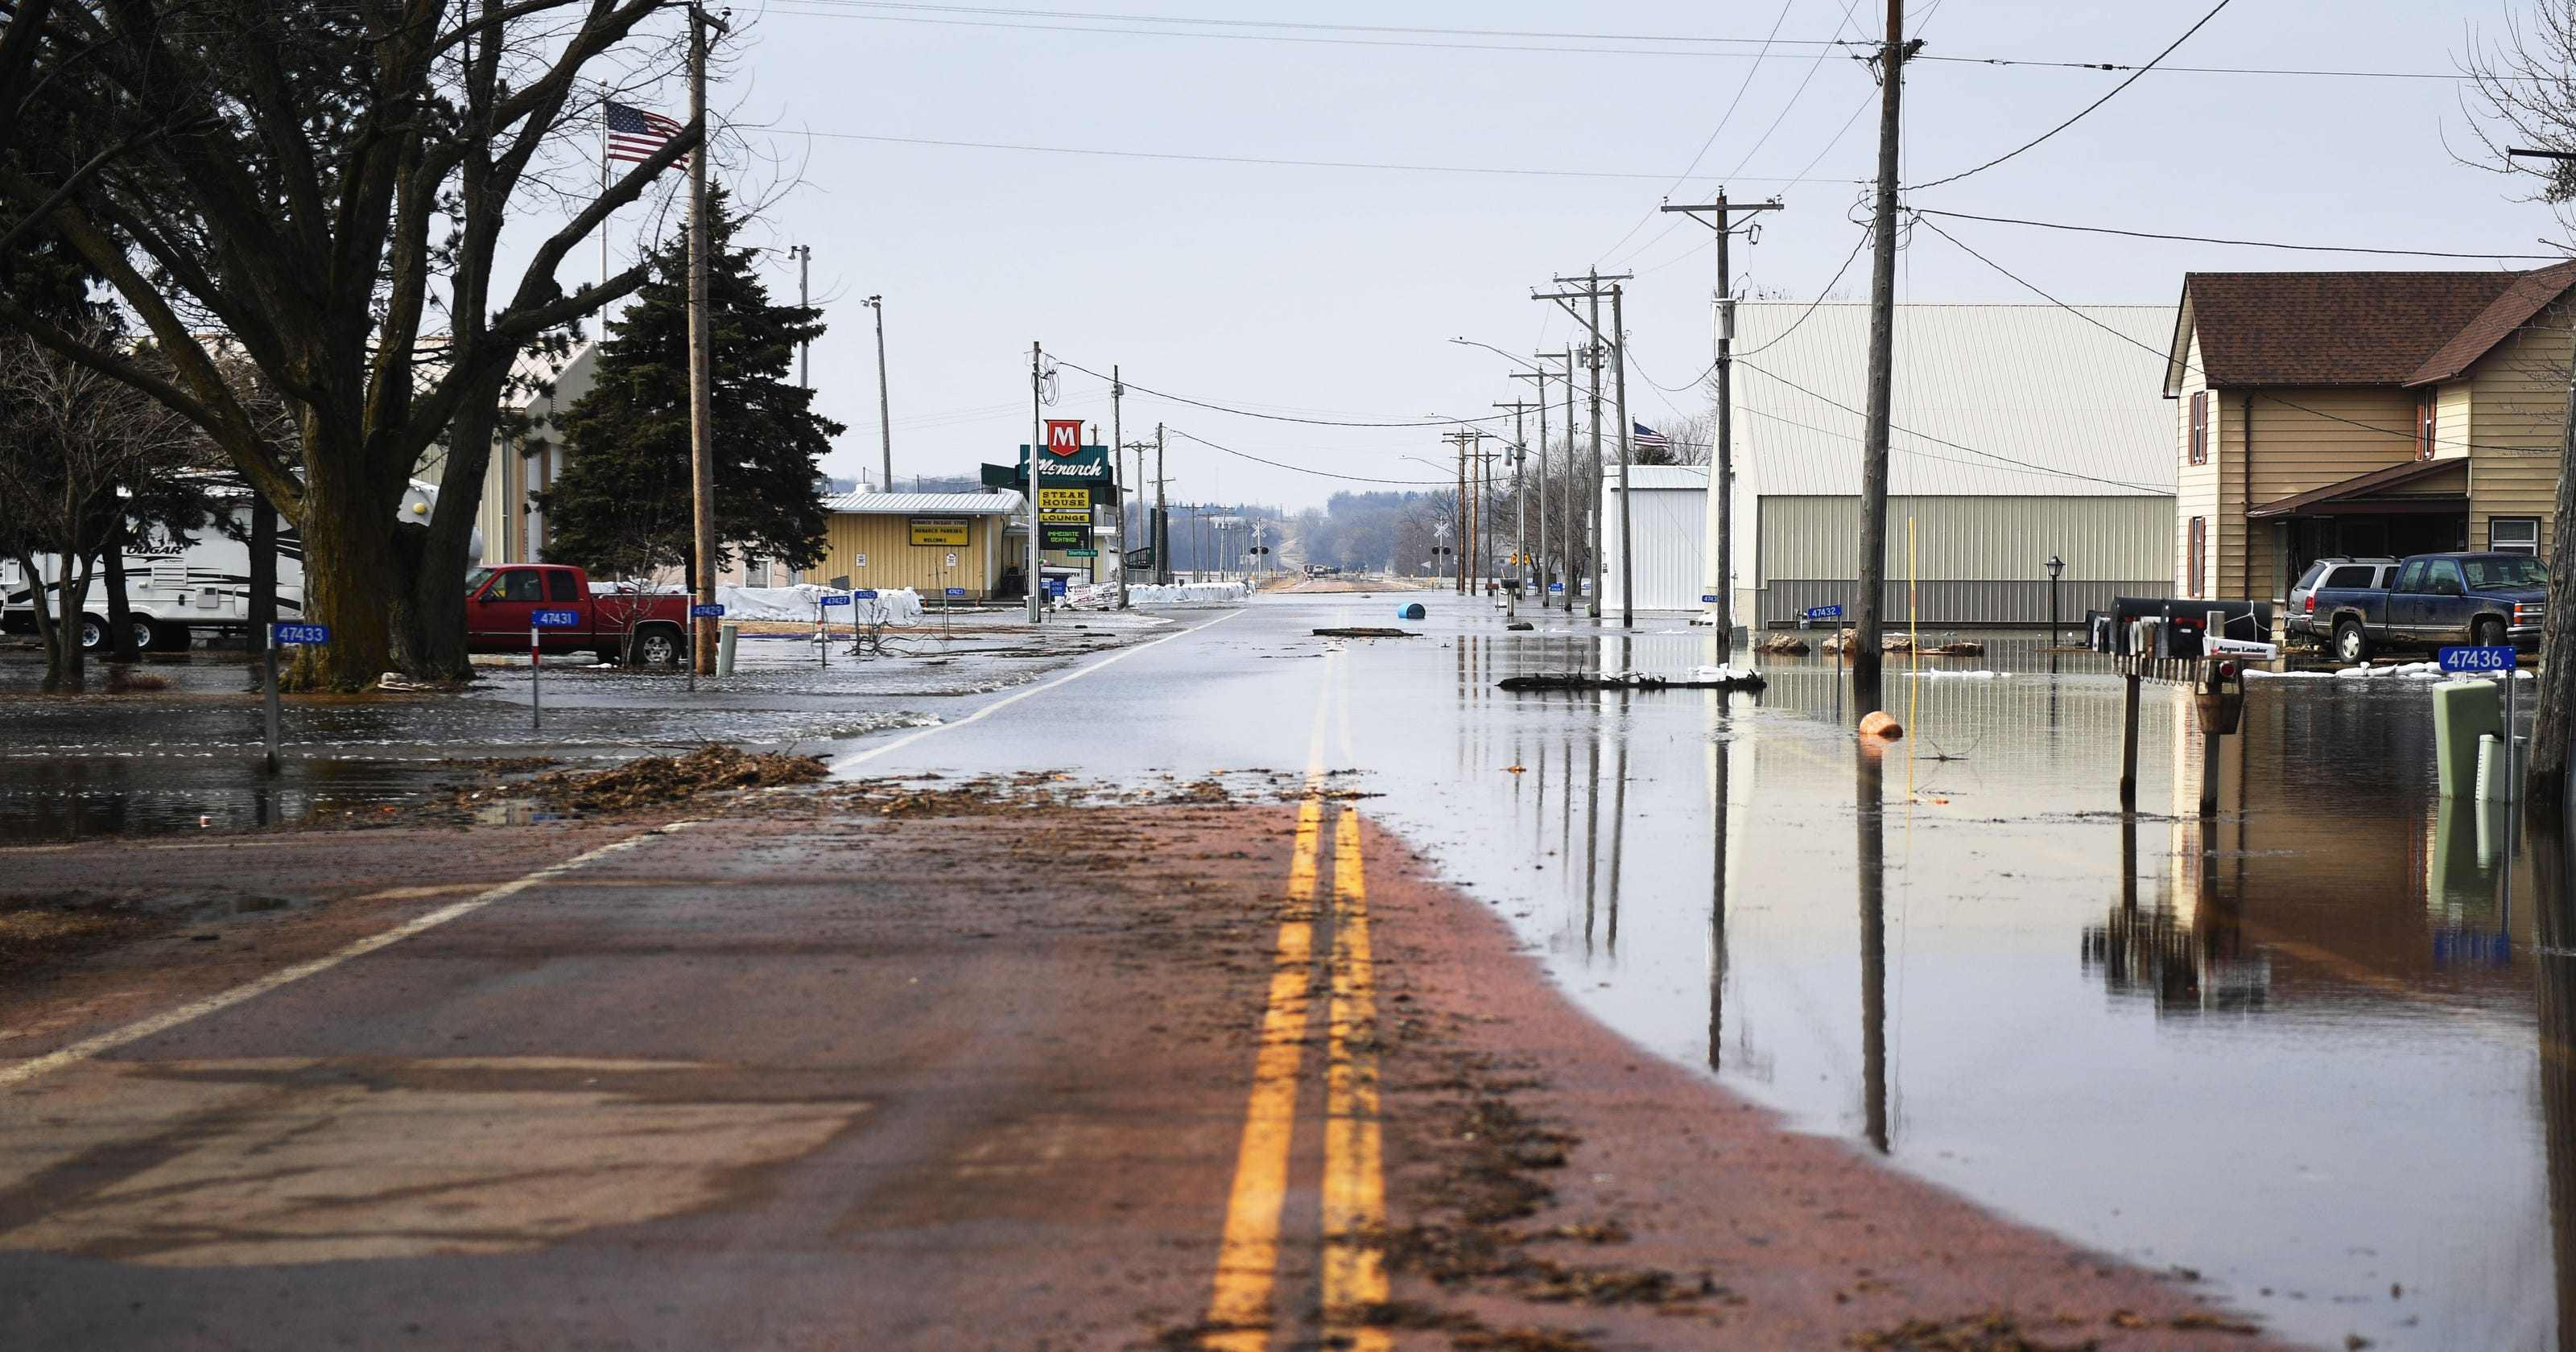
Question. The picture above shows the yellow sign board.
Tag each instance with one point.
(939, 530)
(1064, 506)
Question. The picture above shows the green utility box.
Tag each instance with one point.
(2463, 711)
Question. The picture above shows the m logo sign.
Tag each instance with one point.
(1064, 438)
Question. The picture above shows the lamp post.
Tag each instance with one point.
(2056, 566)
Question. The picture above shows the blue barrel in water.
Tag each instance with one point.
(1411, 612)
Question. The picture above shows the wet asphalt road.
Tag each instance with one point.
(2304, 1063)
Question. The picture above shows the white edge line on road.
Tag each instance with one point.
(1007, 701)
(142, 1028)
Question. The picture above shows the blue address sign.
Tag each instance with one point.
(295, 634)
(706, 612)
(555, 619)
(2480, 658)
(836, 600)
(1824, 612)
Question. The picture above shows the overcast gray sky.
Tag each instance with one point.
(1333, 291)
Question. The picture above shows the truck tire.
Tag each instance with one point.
(2487, 633)
(659, 646)
(93, 633)
(2350, 643)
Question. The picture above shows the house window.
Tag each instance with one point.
(2198, 566)
(2514, 535)
(2200, 427)
(2424, 410)
(755, 572)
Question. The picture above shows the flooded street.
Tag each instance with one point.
(2300, 1063)
(184, 754)
(2304, 1064)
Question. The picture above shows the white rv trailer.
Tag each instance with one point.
(202, 589)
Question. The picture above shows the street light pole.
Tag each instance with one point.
(885, 405)
(1037, 439)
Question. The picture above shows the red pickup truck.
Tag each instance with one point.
(498, 602)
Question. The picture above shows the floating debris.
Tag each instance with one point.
(649, 780)
(1367, 632)
(1784, 645)
(1699, 678)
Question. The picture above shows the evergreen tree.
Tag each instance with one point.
(621, 505)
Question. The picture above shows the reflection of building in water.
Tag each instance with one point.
(2186, 951)
(2182, 962)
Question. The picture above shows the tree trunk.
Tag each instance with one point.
(430, 639)
(63, 672)
(349, 570)
(120, 613)
(2546, 787)
(48, 634)
(262, 607)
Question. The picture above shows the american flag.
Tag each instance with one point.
(635, 135)
(1647, 436)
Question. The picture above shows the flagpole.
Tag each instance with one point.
(603, 221)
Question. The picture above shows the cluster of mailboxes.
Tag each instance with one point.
(2167, 626)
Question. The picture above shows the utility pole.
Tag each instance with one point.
(1571, 497)
(1463, 510)
(885, 405)
(1590, 318)
(1117, 393)
(1538, 556)
(702, 367)
(804, 301)
(1520, 475)
(1721, 470)
(1162, 527)
(1037, 440)
(1867, 665)
(1627, 455)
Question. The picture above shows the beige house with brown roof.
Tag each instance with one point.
(2362, 413)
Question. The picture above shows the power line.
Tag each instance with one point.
(1679, 44)
(1264, 160)
(2134, 77)
(2240, 243)
(1302, 469)
(1274, 417)
(2026, 285)
(1741, 89)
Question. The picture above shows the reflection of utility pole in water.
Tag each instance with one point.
(1717, 898)
(2554, 967)
(1872, 862)
(1591, 834)
(1618, 830)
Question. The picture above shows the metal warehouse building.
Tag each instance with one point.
(2020, 432)
(1670, 506)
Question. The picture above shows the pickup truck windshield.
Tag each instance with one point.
(2497, 570)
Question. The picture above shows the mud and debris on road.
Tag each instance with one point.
(1547, 1186)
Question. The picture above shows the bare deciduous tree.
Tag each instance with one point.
(2523, 92)
(76, 446)
(315, 183)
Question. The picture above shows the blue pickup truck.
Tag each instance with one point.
(2435, 599)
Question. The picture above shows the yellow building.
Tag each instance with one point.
(2359, 414)
(929, 542)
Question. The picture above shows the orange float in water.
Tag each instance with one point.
(1878, 725)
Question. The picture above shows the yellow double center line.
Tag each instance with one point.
(1242, 1312)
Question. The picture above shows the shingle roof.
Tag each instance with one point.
(2348, 328)
(2520, 301)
